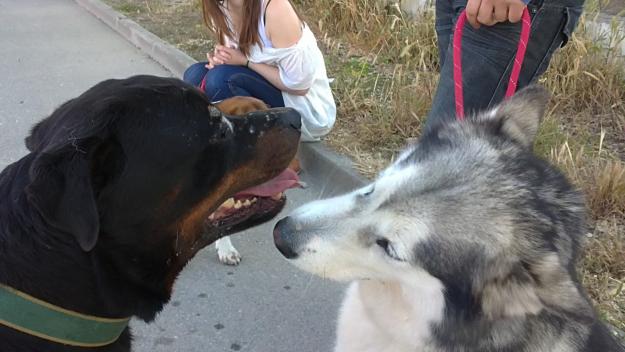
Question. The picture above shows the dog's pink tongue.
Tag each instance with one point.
(287, 179)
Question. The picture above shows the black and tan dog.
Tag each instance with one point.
(241, 105)
(97, 221)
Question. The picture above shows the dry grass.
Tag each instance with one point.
(385, 66)
(602, 268)
(601, 178)
(176, 21)
(385, 69)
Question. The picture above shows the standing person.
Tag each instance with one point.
(266, 51)
(489, 46)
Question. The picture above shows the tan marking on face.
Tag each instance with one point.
(188, 229)
(192, 221)
(269, 159)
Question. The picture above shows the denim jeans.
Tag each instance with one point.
(488, 53)
(226, 81)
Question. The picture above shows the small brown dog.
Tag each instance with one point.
(241, 105)
(236, 106)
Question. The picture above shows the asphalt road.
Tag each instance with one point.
(53, 50)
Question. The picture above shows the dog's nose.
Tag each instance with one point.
(290, 117)
(276, 117)
(284, 238)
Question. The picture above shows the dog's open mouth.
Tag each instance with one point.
(258, 201)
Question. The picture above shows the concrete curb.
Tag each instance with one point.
(335, 169)
(317, 160)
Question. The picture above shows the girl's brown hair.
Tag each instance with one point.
(215, 20)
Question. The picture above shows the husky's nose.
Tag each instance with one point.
(284, 237)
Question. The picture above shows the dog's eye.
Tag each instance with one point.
(388, 248)
(383, 243)
(369, 191)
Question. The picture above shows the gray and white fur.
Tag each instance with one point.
(467, 242)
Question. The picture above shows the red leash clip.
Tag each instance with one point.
(516, 69)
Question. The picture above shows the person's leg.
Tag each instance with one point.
(445, 19)
(195, 73)
(225, 81)
(253, 84)
(488, 55)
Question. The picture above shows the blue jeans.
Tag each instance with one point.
(488, 53)
(226, 81)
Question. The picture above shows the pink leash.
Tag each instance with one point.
(516, 69)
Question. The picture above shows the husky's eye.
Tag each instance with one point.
(383, 243)
(369, 191)
(388, 248)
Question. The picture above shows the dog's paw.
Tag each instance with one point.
(230, 257)
(227, 253)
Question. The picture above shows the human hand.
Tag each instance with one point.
(218, 57)
(230, 56)
(212, 60)
(489, 12)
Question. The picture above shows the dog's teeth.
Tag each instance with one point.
(277, 196)
(229, 203)
(212, 217)
(247, 203)
(254, 200)
(238, 205)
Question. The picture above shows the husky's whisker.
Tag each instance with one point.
(325, 185)
(311, 277)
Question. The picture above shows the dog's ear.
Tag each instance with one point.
(519, 117)
(33, 141)
(64, 184)
(240, 105)
(42, 133)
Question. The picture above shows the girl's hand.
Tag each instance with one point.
(211, 63)
(215, 59)
(229, 56)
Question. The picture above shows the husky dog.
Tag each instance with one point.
(468, 242)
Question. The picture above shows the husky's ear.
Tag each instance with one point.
(520, 116)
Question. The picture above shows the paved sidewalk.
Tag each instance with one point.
(53, 50)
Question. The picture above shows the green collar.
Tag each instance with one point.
(35, 317)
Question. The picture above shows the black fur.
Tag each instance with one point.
(106, 208)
